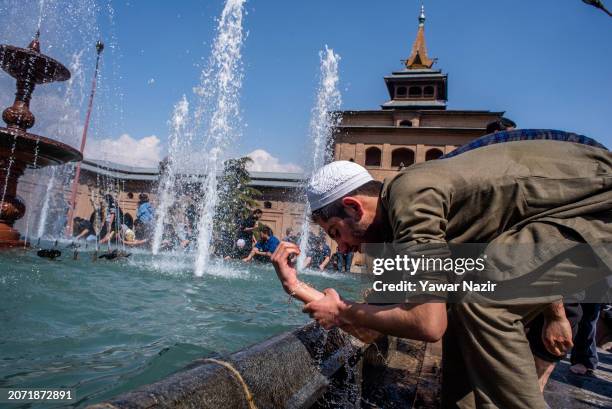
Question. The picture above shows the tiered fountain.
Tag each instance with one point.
(18, 148)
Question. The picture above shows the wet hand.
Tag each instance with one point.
(283, 262)
(328, 310)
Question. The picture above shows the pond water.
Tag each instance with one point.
(106, 327)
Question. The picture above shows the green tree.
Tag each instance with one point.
(236, 199)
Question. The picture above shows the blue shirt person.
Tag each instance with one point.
(265, 247)
(269, 245)
(145, 213)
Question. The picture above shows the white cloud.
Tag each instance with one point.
(126, 150)
(264, 162)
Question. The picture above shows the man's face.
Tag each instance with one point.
(264, 236)
(347, 233)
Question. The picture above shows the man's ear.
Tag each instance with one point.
(353, 207)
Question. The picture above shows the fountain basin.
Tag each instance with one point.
(35, 151)
(291, 370)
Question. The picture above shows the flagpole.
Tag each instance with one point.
(75, 183)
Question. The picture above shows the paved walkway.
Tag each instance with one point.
(566, 390)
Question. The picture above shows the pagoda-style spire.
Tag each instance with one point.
(418, 58)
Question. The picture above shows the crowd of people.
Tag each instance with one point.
(109, 224)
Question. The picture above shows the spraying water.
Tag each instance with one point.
(36, 151)
(219, 92)
(44, 211)
(325, 117)
(41, 7)
(166, 192)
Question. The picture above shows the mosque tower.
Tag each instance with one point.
(414, 125)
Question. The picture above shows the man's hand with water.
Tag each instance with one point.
(283, 260)
(327, 310)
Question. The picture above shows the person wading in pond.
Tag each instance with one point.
(520, 191)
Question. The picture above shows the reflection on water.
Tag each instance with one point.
(105, 327)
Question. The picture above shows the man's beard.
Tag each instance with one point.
(365, 233)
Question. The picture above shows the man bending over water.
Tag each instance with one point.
(523, 191)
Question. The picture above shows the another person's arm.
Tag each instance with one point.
(250, 256)
(256, 252)
(134, 242)
(108, 237)
(307, 262)
(324, 263)
(83, 233)
(326, 259)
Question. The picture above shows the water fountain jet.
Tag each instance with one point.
(20, 149)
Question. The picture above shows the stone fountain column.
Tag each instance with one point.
(20, 149)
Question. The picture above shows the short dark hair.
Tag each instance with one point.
(267, 230)
(501, 124)
(336, 209)
(257, 211)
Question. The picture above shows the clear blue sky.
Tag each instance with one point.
(547, 63)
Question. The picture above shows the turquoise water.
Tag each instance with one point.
(105, 327)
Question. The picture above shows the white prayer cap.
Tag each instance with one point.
(240, 243)
(334, 181)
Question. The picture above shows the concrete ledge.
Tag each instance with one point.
(291, 370)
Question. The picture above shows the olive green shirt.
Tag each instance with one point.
(488, 194)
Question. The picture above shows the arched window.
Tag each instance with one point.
(402, 157)
(267, 205)
(372, 156)
(405, 122)
(428, 91)
(433, 154)
(415, 92)
(400, 92)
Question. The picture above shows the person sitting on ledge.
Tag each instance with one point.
(264, 247)
(528, 190)
(83, 229)
(127, 236)
(145, 216)
(502, 124)
(114, 219)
